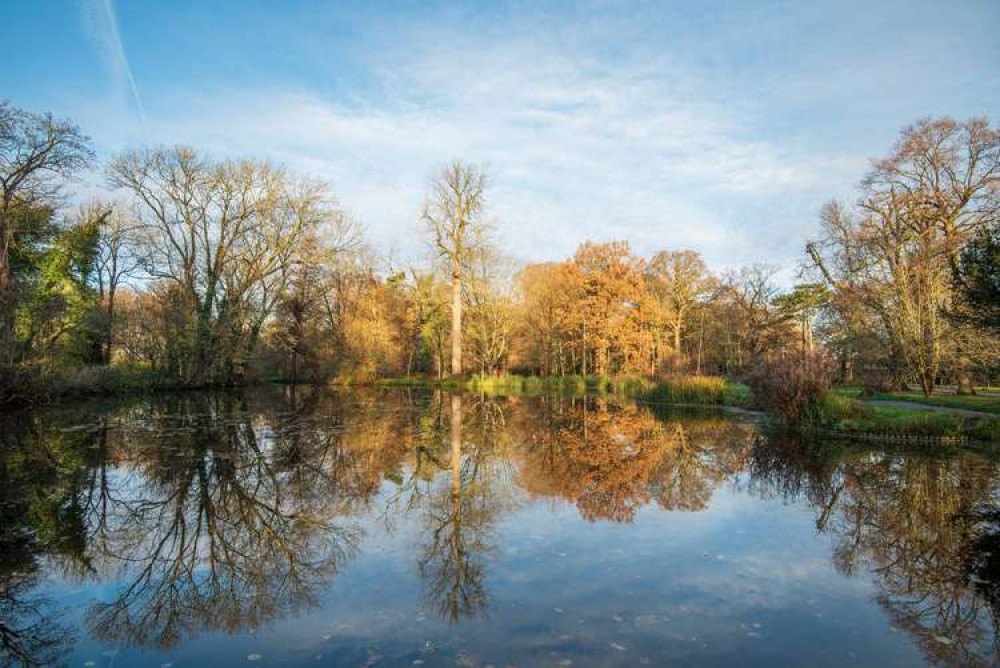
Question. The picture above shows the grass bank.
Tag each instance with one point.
(700, 390)
(845, 415)
(33, 384)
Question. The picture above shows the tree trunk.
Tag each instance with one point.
(927, 383)
(964, 380)
(677, 345)
(456, 321)
(109, 327)
(6, 302)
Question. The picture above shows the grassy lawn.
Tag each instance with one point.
(898, 421)
(901, 421)
(981, 403)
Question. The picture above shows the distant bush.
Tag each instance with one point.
(32, 383)
(797, 390)
(709, 390)
(527, 385)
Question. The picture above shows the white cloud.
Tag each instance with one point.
(580, 146)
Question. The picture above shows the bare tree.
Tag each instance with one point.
(225, 234)
(453, 213)
(752, 292)
(897, 254)
(36, 152)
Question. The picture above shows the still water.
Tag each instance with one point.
(304, 527)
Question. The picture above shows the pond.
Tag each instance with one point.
(308, 527)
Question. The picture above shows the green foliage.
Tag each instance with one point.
(738, 394)
(978, 280)
(803, 301)
(59, 316)
(830, 408)
(987, 430)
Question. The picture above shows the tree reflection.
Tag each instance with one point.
(925, 528)
(215, 514)
(237, 522)
(223, 513)
(610, 459)
(38, 517)
(460, 510)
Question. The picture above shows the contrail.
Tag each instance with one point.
(116, 41)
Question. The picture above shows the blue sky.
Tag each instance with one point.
(717, 126)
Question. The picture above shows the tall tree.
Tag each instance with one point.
(36, 153)
(917, 209)
(454, 216)
(678, 280)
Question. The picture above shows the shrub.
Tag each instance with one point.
(630, 386)
(833, 407)
(30, 383)
(795, 389)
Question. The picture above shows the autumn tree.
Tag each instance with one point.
(610, 310)
(490, 309)
(307, 320)
(678, 281)
(547, 318)
(758, 325)
(454, 215)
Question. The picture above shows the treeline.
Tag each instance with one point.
(195, 270)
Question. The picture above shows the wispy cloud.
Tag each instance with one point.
(578, 150)
(101, 22)
(719, 130)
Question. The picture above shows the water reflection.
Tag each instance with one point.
(229, 530)
(611, 459)
(925, 527)
(37, 517)
(219, 513)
